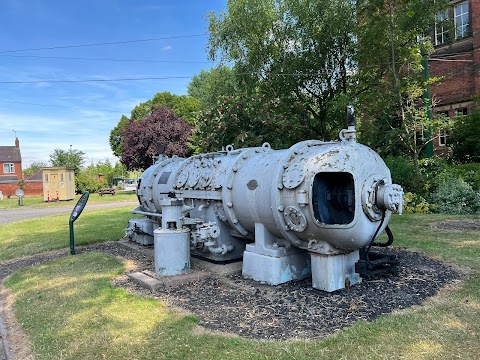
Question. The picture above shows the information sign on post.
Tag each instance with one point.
(77, 210)
(20, 194)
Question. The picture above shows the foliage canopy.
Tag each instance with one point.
(182, 105)
(293, 51)
(71, 158)
(162, 131)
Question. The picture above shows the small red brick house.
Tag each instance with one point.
(456, 61)
(10, 168)
(11, 173)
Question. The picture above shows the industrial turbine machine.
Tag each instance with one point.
(314, 209)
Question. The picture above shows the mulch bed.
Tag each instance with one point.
(457, 225)
(231, 304)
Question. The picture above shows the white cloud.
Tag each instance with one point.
(40, 135)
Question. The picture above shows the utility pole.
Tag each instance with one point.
(428, 103)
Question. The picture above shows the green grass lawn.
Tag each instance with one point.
(30, 237)
(70, 310)
(38, 202)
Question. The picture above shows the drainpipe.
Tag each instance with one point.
(427, 101)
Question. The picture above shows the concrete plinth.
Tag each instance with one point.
(334, 272)
(276, 270)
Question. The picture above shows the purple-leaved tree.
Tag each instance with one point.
(142, 140)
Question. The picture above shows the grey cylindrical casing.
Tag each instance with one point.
(316, 195)
(172, 251)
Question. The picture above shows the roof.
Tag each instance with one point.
(8, 178)
(10, 154)
(57, 168)
(38, 176)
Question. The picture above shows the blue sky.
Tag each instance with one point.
(82, 114)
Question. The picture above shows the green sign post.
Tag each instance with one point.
(77, 210)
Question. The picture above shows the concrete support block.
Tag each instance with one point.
(276, 270)
(334, 272)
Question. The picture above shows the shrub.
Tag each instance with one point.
(464, 138)
(455, 196)
(470, 173)
(405, 174)
(432, 171)
(413, 203)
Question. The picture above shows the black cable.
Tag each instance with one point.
(108, 59)
(105, 43)
(390, 239)
(369, 246)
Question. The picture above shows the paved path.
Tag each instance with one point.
(11, 215)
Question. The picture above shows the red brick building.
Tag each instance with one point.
(11, 173)
(456, 61)
(10, 168)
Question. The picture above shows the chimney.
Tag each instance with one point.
(17, 143)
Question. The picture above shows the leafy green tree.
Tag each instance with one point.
(250, 120)
(210, 85)
(182, 105)
(71, 158)
(299, 51)
(465, 138)
(390, 85)
(99, 175)
(34, 168)
(116, 136)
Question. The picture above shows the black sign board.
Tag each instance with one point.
(77, 210)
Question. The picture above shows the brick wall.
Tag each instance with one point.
(33, 188)
(475, 10)
(8, 189)
(460, 80)
(457, 82)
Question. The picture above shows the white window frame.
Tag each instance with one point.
(441, 28)
(442, 138)
(9, 168)
(461, 17)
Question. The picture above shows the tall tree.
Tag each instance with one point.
(248, 120)
(71, 158)
(392, 42)
(34, 168)
(182, 105)
(297, 50)
(212, 84)
(161, 131)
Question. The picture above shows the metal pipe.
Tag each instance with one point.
(222, 249)
(146, 213)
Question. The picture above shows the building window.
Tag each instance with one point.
(442, 138)
(461, 112)
(441, 28)
(443, 116)
(46, 177)
(462, 20)
(8, 168)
